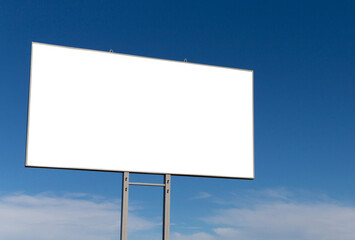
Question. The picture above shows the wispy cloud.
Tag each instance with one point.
(287, 220)
(202, 195)
(71, 216)
(195, 236)
(281, 216)
(271, 215)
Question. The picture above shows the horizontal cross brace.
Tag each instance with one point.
(148, 184)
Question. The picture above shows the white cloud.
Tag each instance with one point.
(195, 236)
(202, 195)
(288, 221)
(67, 217)
(227, 232)
(82, 216)
(280, 217)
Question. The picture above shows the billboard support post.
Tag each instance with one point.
(124, 203)
(166, 214)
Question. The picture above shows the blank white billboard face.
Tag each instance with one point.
(106, 111)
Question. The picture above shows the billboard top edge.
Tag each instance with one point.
(201, 64)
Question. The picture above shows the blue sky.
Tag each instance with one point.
(302, 54)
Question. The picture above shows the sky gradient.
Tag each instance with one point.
(302, 54)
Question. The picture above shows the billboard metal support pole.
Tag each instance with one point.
(166, 217)
(124, 204)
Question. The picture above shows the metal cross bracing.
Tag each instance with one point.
(166, 202)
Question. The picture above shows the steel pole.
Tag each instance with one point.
(124, 205)
(166, 214)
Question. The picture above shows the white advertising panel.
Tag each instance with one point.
(95, 110)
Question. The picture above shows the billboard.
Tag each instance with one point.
(104, 111)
